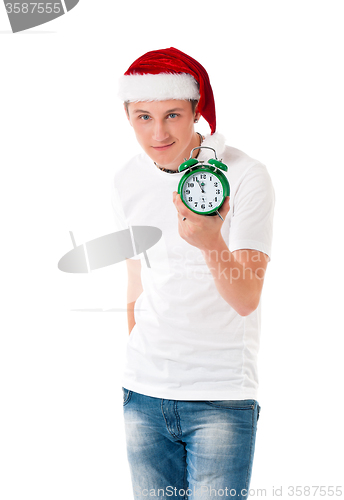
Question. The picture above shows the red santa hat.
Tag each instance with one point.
(166, 74)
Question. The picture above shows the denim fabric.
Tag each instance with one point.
(189, 449)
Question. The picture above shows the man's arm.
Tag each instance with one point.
(134, 289)
(238, 275)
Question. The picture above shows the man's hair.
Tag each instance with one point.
(194, 103)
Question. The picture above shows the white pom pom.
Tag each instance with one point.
(216, 141)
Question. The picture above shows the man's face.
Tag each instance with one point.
(164, 130)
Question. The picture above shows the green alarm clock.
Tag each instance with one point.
(203, 188)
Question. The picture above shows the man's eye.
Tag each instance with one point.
(172, 115)
(144, 117)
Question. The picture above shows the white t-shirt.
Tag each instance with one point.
(188, 343)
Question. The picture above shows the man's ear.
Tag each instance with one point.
(127, 113)
(197, 113)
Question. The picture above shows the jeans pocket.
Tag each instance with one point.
(233, 404)
(126, 395)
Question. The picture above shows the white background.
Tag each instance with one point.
(277, 72)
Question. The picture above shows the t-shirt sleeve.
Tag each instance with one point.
(253, 209)
(119, 216)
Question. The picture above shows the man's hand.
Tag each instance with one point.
(238, 275)
(199, 230)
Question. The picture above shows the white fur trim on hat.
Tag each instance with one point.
(216, 141)
(160, 87)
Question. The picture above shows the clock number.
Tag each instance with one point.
(211, 194)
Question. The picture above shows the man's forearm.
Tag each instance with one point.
(134, 290)
(236, 283)
(131, 316)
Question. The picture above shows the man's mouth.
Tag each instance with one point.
(162, 148)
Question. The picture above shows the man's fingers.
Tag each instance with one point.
(225, 207)
(183, 211)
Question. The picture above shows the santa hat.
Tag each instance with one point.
(161, 75)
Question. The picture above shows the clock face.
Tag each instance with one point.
(202, 191)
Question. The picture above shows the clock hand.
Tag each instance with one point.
(200, 186)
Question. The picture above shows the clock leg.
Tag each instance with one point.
(219, 215)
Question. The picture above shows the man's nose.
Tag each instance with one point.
(160, 132)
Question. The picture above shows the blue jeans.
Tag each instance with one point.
(189, 449)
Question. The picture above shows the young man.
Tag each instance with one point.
(190, 381)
